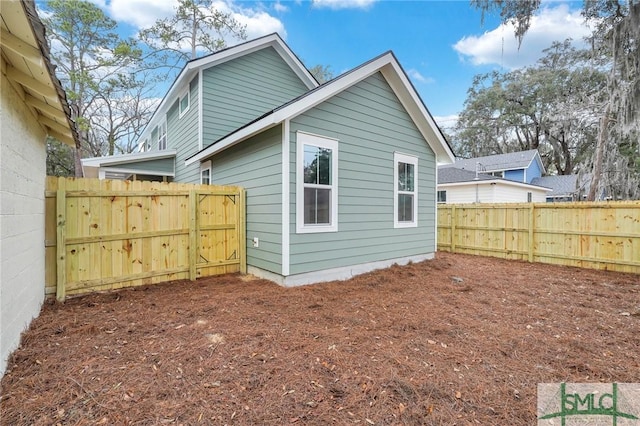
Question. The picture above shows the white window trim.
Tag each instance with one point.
(162, 125)
(187, 93)
(408, 159)
(206, 165)
(144, 146)
(302, 139)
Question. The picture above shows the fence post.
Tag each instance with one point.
(531, 224)
(61, 253)
(453, 229)
(193, 234)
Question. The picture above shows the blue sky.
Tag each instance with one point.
(441, 44)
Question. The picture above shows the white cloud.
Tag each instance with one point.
(279, 7)
(140, 13)
(144, 13)
(416, 76)
(500, 46)
(258, 22)
(343, 4)
(446, 122)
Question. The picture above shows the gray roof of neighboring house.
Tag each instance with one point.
(562, 185)
(455, 175)
(513, 160)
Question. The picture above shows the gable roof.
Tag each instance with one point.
(394, 74)
(193, 67)
(452, 176)
(30, 71)
(563, 185)
(455, 175)
(500, 162)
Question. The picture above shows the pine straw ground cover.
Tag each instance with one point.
(409, 345)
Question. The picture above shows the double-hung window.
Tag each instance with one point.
(184, 102)
(162, 135)
(405, 214)
(316, 184)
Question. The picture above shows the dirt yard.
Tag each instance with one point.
(456, 340)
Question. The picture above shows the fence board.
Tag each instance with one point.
(103, 235)
(602, 235)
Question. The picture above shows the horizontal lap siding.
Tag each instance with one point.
(468, 194)
(182, 135)
(510, 194)
(533, 171)
(370, 124)
(238, 91)
(517, 175)
(164, 165)
(256, 165)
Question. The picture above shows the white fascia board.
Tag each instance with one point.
(535, 157)
(294, 63)
(135, 171)
(539, 161)
(187, 74)
(272, 40)
(128, 158)
(418, 112)
(234, 52)
(296, 108)
(396, 78)
(331, 89)
(237, 137)
(494, 181)
(490, 170)
(198, 65)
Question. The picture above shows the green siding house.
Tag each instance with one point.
(340, 177)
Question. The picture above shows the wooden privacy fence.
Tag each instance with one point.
(109, 234)
(602, 235)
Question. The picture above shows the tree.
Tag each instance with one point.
(197, 24)
(617, 36)
(94, 65)
(551, 106)
(322, 73)
(60, 159)
(120, 115)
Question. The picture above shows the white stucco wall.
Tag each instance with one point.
(22, 180)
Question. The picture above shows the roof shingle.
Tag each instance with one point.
(491, 163)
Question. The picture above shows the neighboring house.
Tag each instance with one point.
(33, 105)
(458, 186)
(522, 166)
(565, 187)
(340, 178)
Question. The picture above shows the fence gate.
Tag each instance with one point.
(103, 235)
